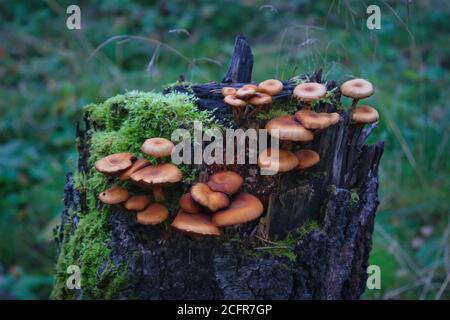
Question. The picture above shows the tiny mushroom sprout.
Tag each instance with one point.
(157, 147)
(195, 224)
(136, 166)
(271, 87)
(365, 114)
(115, 164)
(307, 159)
(114, 195)
(157, 176)
(155, 213)
(237, 105)
(313, 120)
(357, 89)
(137, 203)
(228, 91)
(213, 200)
(284, 161)
(308, 92)
(188, 204)
(245, 92)
(227, 182)
(286, 128)
(244, 208)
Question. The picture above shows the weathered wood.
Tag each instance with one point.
(241, 64)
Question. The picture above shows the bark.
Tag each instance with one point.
(328, 262)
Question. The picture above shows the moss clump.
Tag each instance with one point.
(120, 124)
(354, 198)
(277, 110)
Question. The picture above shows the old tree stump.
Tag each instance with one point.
(317, 226)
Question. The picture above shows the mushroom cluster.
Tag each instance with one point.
(249, 99)
(215, 204)
(359, 89)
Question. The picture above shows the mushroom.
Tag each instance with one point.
(155, 213)
(244, 208)
(259, 100)
(227, 182)
(309, 91)
(285, 161)
(195, 224)
(313, 120)
(157, 176)
(213, 200)
(288, 129)
(357, 89)
(246, 91)
(271, 87)
(137, 203)
(365, 114)
(115, 164)
(228, 91)
(188, 204)
(237, 105)
(136, 166)
(306, 158)
(157, 148)
(114, 195)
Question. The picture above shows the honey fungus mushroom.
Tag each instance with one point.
(195, 224)
(114, 195)
(286, 128)
(308, 92)
(137, 203)
(115, 164)
(157, 148)
(306, 159)
(156, 177)
(227, 182)
(208, 198)
(188, 204)
(313, 120)
(243, 208)
(237, 106)
(357, 89)
(271, 87)
(365, 114)
(155, 213)
(284, 161)
(245, 92)
(228, 91)
(136, 166)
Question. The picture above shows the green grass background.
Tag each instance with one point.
(48, 73)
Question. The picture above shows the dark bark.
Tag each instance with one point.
(330, 262)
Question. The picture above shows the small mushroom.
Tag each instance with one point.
(271, 87)
(306, 159)
(244, 208)
(156, 177)
(213, 200)
(114, 195)
(286, 128)
(137, 203)
(237, 105)
(136, 166)
(155, 213)
(115, 164)
(195, 224)
(365, 114)
(259, 100)
(283, 162)
(188, 204)
(357, 89)
(246, 91)
(227, 182)
(313, 120)
(157, 148)
(228, 91)
(309, 91)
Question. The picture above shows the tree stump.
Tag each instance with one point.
(312, 243)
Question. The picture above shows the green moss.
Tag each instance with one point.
(354, 198)
(307, 228)
(120, 124)
(277, 110)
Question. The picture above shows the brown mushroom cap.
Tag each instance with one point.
(357, 88)
(160, 174)
(365, 114)
(153, 214)
(244, 207)
(309, 91)
(285, 161)
(137, 203)
(157, 147)
(271, 87)
(188, 204)
(115, 164)
(313, 120)
(114, 195)
(195, 223)
(228, 91)
(213, 200)
(136, 166)
(260, 99)
(306, 158)
(246, 91)
(288, 129)
(227, 182)
(233, 101)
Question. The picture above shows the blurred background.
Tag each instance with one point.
(48, 73)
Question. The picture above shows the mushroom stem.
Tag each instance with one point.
(354, 103)
(158, 194)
